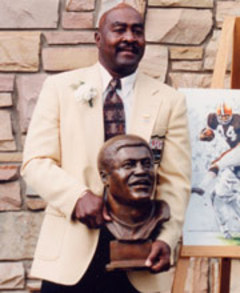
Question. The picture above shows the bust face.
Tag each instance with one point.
(131, 179)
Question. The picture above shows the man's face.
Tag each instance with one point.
(132, 178)
(121, 41)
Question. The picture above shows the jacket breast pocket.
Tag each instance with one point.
(51, 237)
(157, 145)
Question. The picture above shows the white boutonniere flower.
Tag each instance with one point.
(84, 93)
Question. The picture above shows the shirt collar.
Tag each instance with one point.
(126, 82)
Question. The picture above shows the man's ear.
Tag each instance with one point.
(97, 37)
(104, 177)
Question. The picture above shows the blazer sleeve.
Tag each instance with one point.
(175, 171)
(41, 166)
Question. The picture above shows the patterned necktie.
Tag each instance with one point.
(113, 110)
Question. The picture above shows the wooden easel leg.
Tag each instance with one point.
(223, 53)
(235, 74)
(180, 275)
(224, 275)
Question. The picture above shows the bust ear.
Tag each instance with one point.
(104, 177)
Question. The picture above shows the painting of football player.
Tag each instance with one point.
(225, 168)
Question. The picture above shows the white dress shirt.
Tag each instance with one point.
(126, 91)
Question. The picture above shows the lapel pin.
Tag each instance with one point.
(146, 116)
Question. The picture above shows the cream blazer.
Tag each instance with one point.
(60, 162)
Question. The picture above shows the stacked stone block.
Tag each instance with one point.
(42, 37)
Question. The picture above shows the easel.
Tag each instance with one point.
(230, 35)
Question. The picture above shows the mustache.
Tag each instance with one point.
(125, 46)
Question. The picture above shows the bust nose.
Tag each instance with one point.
(139, 169)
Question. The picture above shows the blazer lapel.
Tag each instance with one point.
(145, 107)
(92, 117)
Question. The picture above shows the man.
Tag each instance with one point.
(64, 138)
(125, 163)
(225, 168)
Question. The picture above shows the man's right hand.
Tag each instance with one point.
(89, 210)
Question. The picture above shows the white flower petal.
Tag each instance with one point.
(84, 93)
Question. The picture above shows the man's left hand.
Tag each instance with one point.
(159, 257)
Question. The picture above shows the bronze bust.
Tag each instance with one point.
(126, 167)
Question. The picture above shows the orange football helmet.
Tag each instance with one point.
(224, 113)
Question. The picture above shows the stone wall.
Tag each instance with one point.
(42, 37)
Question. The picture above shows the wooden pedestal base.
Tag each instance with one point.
(128, 255)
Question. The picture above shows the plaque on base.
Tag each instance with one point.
(128, 255)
